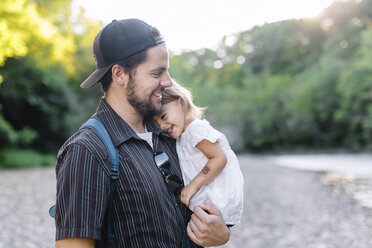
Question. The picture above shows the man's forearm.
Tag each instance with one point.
(75, 243)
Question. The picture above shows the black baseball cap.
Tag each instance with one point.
(117, 41)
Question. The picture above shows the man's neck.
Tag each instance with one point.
(127, 113)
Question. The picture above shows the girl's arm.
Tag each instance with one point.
(217, 161)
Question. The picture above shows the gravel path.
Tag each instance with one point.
(283, 208)
(292, 208)
(25, 198)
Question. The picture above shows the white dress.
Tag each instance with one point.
(225, 192)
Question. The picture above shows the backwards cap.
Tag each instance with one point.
(117, 41)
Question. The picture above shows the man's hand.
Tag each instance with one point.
(206, 227)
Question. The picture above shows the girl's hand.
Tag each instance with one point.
(186, 194)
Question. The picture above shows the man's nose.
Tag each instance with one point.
(166, 80)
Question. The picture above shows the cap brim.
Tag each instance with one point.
(95, 77)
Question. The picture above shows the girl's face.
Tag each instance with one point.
(172, 119)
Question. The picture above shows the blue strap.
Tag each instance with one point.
(96, 125)
(99, 128)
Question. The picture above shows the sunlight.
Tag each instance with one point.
(196, 24)
(298, 9)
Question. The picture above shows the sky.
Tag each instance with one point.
(195, 24)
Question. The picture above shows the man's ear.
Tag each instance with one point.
(119, 75)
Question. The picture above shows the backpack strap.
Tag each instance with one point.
(99, 128)
(96, 125)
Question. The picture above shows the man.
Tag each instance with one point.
(132, 66)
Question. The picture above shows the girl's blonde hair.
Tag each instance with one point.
(175, 92)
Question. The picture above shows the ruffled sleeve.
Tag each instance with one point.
(199, 130)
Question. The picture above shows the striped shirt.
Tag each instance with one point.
(145, 213)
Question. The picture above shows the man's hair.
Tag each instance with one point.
(175, 92)
(129, 64)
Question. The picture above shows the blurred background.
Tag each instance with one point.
(276, 77)
(303, 83)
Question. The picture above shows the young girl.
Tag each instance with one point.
(210, 168)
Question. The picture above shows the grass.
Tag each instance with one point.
(25, 159)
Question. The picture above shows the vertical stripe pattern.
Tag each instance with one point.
(145, 213)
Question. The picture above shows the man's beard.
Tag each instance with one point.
(143, 107)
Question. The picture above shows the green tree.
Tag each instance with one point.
(38, 94)
(355, 89)
(25, 31)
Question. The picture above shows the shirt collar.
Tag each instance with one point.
(118, 129)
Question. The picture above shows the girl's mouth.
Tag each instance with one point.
(169, 130)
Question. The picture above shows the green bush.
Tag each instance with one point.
(25, 158)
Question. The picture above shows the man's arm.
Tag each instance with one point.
(82, 188)
(207, 228)
(75, 243)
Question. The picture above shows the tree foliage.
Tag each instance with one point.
(25, 31)
(41, 56)
(294, 83)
